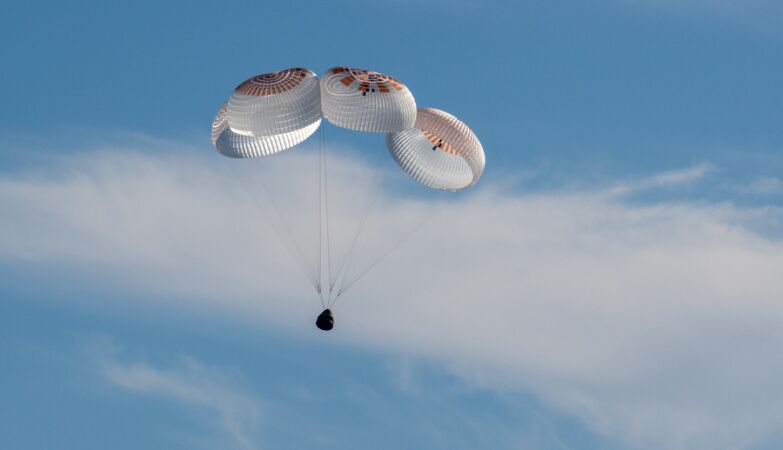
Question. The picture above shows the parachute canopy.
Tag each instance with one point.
(364, 100)
(247, 145)
(268, 113)
(441, 152)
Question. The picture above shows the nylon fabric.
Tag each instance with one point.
(365, 100)
(440, 151)
(268, 113)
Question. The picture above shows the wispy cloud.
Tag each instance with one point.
(189, 382)
(657, 324)
(665, 180)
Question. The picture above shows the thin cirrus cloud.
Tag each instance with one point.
(656, 324)
(665, 180)
(206, 389)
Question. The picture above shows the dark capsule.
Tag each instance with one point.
(325, 320)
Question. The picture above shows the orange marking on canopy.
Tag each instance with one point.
(272, 83)
(438, 142)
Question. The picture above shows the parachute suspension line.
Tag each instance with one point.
(368, 207)
(287, 228)
(292, 247)
(371, 195)
(347, 285)
(320, 221)
(325, 160)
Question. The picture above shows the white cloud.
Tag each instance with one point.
(657, 324)
(665, 180)
(207, 389)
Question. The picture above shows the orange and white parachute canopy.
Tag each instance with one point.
(268, 113)
(440, 151)
(364, 100)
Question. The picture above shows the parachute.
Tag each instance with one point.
(363, 100)
(268, 113)
(274, 112)
(439, 152)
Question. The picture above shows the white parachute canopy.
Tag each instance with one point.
(235, 145)
(363, 100)
(268, 113)
(440, 151)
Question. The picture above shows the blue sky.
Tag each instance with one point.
(611, 282)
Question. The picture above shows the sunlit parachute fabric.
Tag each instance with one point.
(235, 145)
(364, 100)
(441, 152)
(268, 113)
(220, 124)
